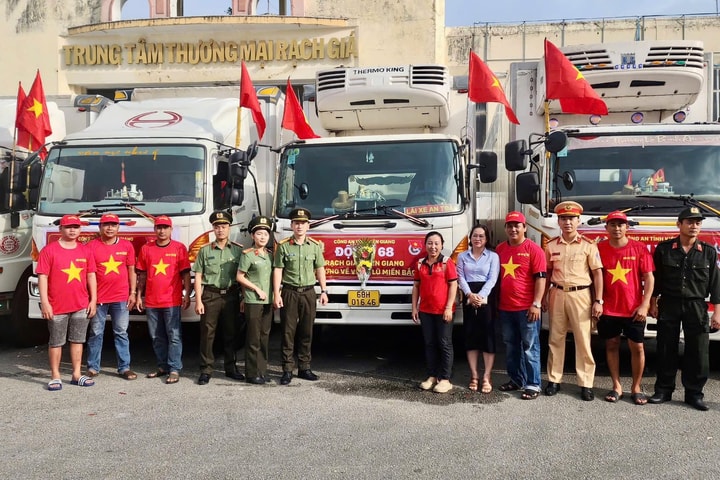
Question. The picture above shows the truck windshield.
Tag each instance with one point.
(416, 177)
(166, 179)
(610, 171)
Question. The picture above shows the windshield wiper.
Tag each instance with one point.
(385, 209)
(636, 208)
(687, 200)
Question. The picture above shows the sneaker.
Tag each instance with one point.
(443, 386)
(428, 384)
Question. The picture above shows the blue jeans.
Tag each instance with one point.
(166, 335)
(522, 349)
(120, 321)
(438, 345)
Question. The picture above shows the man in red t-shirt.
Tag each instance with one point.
(522, 285)
(68, 293)
(116, 285)
(163, 271)
(628, 279)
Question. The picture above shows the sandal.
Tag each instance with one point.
(128, 375)
(486, 386)
(83, 381)
(613, 396)
(473, 384)
(530, 395)
(639, 398)
(158, 373)
(508, 387)
(54, 385)
(174, 377)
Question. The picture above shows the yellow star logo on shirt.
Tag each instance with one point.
(111, 265)
(73, 272)
(161, 267)
(619, 273)
(510, 268)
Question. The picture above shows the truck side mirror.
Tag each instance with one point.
(237, 173)
(516, 156)
(487, 166)
(34, 176)
(555, 141)
(527, 188)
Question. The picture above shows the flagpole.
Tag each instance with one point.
(239, 110)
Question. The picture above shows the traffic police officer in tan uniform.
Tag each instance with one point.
(574, 270)
(255, 275)
(298, 265)
(217, 297)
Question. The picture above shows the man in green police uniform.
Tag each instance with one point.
(298, 265)
(216, 297)
(686, 273)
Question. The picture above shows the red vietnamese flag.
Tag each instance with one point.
(566, 84)
(23, 136)
(294, 117)
(248, 99)
(484, 87)
(33, 116)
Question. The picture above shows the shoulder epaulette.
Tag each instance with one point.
(589, 240)
(312, 240)
(237, 244)
(284, 240)
(553, 239)
(248, 250)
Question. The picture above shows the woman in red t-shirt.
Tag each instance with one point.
(433, 305)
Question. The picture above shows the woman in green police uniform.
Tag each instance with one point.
(254, 274)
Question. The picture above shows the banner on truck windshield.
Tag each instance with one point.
(392, 262)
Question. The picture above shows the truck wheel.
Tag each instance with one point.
(25, 332)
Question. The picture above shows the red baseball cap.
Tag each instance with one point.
(109, 218)
(163, 220)
(70, 220)
(616, 215)
(515, 217)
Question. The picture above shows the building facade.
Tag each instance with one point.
(84, 46)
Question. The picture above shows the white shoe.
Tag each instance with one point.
(428, 384)
(443, 386)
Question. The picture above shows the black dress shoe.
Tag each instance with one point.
(235, 375)
(660, 398)
(256, 380)
(697, 404)
(286, 378)
(587, 394)
(204, 379)
(552, 388)
(307, 375)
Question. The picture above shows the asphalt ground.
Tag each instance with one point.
(365, 418)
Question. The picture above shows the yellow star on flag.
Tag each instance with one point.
(579, 75)
(510, 268)
(111, 265)
(161, 267)
(73, 272)
(36, 108)
(619, 273)
(496, 82)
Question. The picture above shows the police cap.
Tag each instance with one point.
(260, 223)
(568, 209)
(300, 215)
(220, 217)
(691, 212)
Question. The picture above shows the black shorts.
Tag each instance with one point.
(611, 327)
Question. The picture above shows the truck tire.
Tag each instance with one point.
(25, 332)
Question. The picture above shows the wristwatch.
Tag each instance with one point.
(323, 291)
(537, 305)
(600, 301)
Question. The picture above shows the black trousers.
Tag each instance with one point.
(223, 308)
(692, 315)
(297, 318)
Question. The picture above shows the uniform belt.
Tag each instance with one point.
(221, 291)
(298, 289)
(569, 289)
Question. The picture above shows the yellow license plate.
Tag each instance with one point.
(364, 298)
